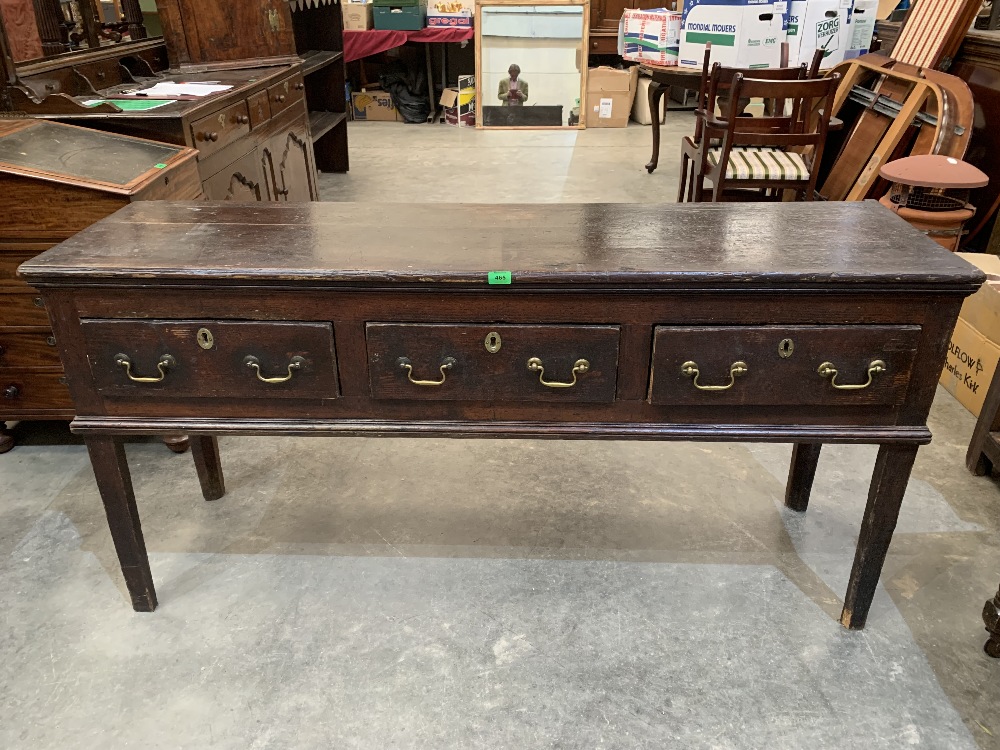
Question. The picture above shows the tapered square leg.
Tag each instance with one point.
(805, 457)
(107, 456)
(208, 464)
(889, 480)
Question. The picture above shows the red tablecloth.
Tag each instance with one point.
(358, 44)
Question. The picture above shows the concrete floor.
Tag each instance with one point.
(395, 593)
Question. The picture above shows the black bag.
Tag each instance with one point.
(408, 91)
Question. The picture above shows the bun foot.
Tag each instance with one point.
(6, 439)
(177, 443)
(650, 167)
(992, 648)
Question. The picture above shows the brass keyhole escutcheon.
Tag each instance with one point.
(493, 342)
(785, 348)
(205, 338)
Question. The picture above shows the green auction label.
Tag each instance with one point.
(498, 277)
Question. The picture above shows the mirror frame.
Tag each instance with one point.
(584, 60)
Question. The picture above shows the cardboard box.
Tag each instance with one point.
(640, 105)
(374, 106)
(819, 24)
(650, 36)
(460, 104)
(974, 349)
(357, 16)
(450, 13)
(862, 28)
(743, 33)
(610, 93)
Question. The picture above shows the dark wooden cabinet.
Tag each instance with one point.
(242, 181)
(201, 32)
(614, 325)
(55, 180)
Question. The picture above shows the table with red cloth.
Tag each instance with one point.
(358, 44)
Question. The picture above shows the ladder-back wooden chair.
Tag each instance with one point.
(766, 154)
(690, 144)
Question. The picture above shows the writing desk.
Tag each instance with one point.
(805, 323)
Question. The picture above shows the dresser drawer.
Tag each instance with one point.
(25, 347)
(259, 107)
(135, 359)
(476, 362)
(782, 365)
(283, 95)
(23, 309)
(26, 389)
(217, 131)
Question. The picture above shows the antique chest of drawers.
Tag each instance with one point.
(788, 322)
(55, 180)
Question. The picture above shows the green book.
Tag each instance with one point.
(130, 105)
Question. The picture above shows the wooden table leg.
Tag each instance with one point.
(107, 456)
(655, 94)
(892, 472)
(6, 439)
(207, 462)
(991, 617)
(976, 459)
(805, 457)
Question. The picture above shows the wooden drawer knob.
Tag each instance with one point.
(209, 136)
(299, 86)
(279, 98)
(38, 302)
(242, 119)
(11, 392)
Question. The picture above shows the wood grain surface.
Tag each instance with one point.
(732, 245)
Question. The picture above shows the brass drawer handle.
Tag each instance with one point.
(690, 369)
(254, 364)
(827, 370)
(404, 364)
(579, 368)
(165, 363)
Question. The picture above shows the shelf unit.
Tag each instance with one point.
(319, 41)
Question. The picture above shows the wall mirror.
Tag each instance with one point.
(531, 63)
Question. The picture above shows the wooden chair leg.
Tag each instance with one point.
(989, 421)
(684, 176)
(6, 438)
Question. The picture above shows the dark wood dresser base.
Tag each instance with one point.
(798, 323)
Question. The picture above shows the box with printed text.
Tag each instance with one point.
(743, 33)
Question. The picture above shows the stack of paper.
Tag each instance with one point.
(169, 88)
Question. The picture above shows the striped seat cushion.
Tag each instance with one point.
(761, 164)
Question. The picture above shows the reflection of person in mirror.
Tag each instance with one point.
(513, 90)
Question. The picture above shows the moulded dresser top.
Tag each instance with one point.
(743, 245)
